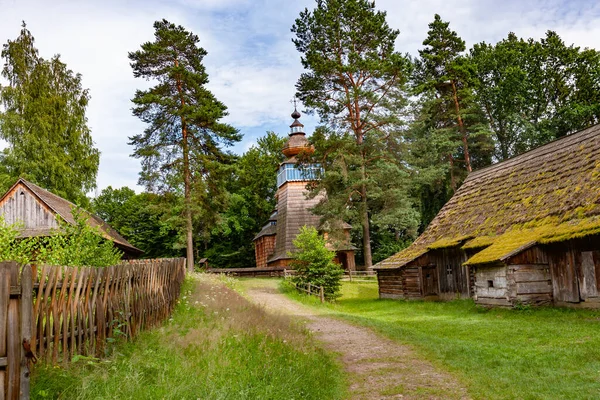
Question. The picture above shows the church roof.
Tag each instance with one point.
(549, 194)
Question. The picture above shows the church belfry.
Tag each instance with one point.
(293, 207)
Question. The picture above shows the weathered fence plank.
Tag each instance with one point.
(26, 329)
(55, 313)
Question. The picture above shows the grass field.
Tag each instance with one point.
(216, 346)
(544, 353)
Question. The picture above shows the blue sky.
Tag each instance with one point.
(251, 61)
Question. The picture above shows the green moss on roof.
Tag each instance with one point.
(546, 195)
(523, 237)
(402, 258)
(447, 243)
(479, 242)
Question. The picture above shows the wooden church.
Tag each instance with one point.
(523, 231)
(39, 211)
(273, 244)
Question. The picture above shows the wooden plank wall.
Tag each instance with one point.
(77, 310)
(263, 248)
(21, 206)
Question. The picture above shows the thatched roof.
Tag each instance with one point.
(546, 195)
(64, 208)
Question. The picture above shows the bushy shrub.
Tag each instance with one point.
(314, 264)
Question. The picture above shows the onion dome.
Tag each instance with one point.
(297, 142)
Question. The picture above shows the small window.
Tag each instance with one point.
(490, 284)
(428, 276)
(448, 270)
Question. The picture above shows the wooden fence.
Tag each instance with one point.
(53, 313)
(312, 290)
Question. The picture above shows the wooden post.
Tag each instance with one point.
(350, 275)
(26, 327)
(322, 294)
(309, 288)
(13, 344)
(4, 300)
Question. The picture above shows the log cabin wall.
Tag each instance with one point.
(529, 279)
(22, 207)
(524, 279)
(390, 282)
(407, 282)
(491, 286)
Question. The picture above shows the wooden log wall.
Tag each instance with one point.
(77, 310)
(390, 283)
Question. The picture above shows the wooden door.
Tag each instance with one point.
(588, 280)
(565, 282)
(429, 281)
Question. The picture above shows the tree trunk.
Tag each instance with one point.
(452, 177)
(366, 227)
(461, 127)
(364, 209)
(188, 203)
(186, 183)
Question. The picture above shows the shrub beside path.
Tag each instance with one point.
(377, 367)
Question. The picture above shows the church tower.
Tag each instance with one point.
(293, 208)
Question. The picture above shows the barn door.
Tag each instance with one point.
(565, 285)
(429, 281)
(588, 280)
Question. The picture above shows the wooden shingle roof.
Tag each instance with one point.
(546, 195)
(64, 208)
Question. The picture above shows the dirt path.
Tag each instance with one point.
(378, 367)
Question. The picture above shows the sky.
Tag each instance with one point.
(252, 62)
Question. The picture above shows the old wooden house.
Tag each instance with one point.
(523, 231)
(39, 211)
(273, 244)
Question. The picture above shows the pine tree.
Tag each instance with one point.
(443, 78)
(353, 80)
(44, 123)
(184, 133)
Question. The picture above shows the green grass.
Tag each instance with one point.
(216, 346)
(544, 353)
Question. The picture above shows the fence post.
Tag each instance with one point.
(309, 288)
(350, 274)
(322, 294)
(26, 328)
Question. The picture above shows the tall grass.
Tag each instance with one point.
(532, 353)
(216, 346)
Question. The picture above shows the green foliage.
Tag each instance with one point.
(43, 121)
(314, 264)
(69, 245)
(535, 91)
(180, 149)
(145, 220)
(354, 80)
(252, 185)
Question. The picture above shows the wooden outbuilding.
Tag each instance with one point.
(523, 231)
(39, 211)
(274, 243)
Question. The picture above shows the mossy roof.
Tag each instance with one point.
(549, 194)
